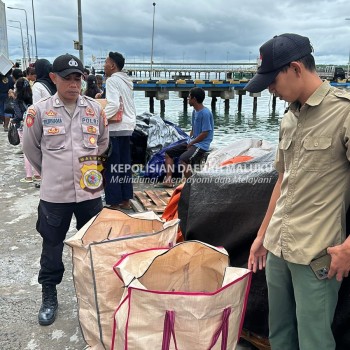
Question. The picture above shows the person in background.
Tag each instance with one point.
(43, 85)
(31, 75)
(91, 87)
(99, 80)
(202, 134)
(6, 85)
(16, 74)
(305, 219)
(23, 99)
(84, 81)
(63, 136)
(120, 99)
(86, 73)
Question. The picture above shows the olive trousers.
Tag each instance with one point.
(301, 307)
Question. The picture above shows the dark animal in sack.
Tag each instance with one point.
(13, 135)
(9, 106)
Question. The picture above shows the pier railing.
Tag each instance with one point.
(179, 70)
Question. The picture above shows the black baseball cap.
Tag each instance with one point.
(276, 54)
(67, 64)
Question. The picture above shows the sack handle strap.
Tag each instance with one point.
(222, 329)
(169, 330)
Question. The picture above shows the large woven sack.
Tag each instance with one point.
(186, 297)
(95, 249)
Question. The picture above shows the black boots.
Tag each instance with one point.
(48, 309)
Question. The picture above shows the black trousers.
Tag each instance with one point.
(118, 177)
(53, 224)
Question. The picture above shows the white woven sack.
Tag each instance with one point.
(95, 249)
(186, 297)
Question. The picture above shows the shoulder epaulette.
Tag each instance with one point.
(342, 94)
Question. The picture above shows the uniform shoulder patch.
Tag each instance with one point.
(94, 102)
(342, 94)
(104, 118)
(89, 98)
(31, 111)
(30, 116)
(43, 99)
(30, 120)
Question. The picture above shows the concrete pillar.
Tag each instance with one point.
(255, 96)
(162, 108)
(227, 95)
(213, 103)
(151, 95)
(227, 105)
(273, 104)
(162, 95)
(255, 105)
(185, 104)
(184, 95)
(240, 93)
(214, 95)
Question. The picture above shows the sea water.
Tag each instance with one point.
(230, 126)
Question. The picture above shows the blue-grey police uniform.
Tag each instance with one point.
(66, 150)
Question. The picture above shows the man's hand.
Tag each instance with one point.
(340, 263)
(257, 256)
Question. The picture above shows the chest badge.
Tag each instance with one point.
(53, 131)
(51, 113)
(90, 112)
(91, 129)
(92, 140)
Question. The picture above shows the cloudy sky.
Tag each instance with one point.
(185, 30)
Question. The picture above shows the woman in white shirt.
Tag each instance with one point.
(43, 86)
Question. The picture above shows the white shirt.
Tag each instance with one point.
(39, 91)
(120, 84)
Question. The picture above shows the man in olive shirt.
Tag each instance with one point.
(306, 215)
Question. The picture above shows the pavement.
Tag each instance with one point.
(20, 293)
(20, 248)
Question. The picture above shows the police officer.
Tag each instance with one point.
(64, 136)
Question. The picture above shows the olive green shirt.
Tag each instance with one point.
(314, 156)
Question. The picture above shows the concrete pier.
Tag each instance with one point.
(224, 89)
(191, 70)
